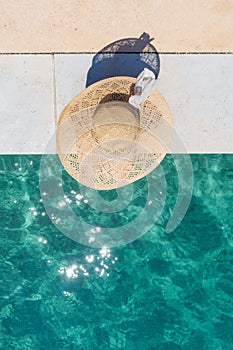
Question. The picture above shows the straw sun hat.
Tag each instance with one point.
(105, 143)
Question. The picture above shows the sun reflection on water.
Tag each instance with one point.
(98, 264)
(70, 272)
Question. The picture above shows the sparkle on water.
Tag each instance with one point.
(160, 292)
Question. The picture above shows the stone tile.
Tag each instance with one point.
(71, 74)
(198, 89)
(87, 26)
(26, 103)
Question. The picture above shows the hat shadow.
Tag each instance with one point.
(124, 57)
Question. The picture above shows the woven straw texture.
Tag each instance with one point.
(104, 143)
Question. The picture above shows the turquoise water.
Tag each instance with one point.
(163, 291)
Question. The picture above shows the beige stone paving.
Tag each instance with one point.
(197, 88)
(26, 103)
(86, 26)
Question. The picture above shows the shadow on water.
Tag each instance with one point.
(124, 57)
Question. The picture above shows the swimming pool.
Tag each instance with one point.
(162, 291)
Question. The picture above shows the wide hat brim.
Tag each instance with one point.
(136, 148)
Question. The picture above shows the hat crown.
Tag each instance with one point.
(115, 128)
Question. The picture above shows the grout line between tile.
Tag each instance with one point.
(95, 52)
